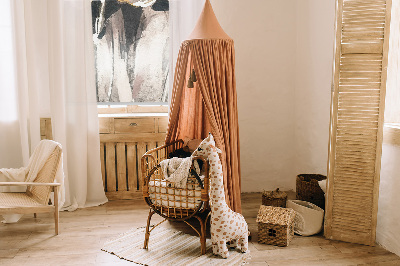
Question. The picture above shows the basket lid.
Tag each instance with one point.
(275, 194)
(275, 215)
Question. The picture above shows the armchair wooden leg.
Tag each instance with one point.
(203, 237)
(56, 212)
(147, 235)
(203, 231)
(34, 215)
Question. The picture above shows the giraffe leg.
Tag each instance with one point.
(243, 243)
(215, 248)
(222, 249)
(233, 243)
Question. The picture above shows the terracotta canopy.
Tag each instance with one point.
(211, 105)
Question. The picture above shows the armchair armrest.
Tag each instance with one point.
(29, 184)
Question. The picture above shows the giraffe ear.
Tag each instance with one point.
(216, 149)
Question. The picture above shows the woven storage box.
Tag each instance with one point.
(308, 189)
(275, 225)
(274, 198)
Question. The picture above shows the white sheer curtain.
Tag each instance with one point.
(183, 15)
(10, 147)
(55, 77)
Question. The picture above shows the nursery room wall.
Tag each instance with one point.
(265, 37)
(284, 58)
(284, 53)
(388, 227)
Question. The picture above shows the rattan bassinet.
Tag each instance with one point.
(170, 202)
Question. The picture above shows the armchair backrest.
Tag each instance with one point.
(46, 175)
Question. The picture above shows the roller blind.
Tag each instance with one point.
(358, 97)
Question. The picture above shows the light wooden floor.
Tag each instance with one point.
(83, 232)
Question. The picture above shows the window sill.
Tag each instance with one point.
(133, 115)
(132, 110)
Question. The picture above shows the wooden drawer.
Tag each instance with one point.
(162, 124)
(134, 125)
(106, 125)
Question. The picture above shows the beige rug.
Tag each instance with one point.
(168, 247)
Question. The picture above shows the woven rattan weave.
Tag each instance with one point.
(275, 225)
(171, 202)
(274, 198)
(308, 189)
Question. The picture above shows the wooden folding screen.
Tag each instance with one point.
(358, 97)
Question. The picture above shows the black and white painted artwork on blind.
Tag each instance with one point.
(131, 46)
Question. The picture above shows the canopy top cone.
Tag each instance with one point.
(207, 26)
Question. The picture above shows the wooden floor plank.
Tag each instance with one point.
(82, 233)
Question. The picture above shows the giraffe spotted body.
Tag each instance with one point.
(226, 225)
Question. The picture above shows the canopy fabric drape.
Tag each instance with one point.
(211, 106)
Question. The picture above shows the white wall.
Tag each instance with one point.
(314, 61)
(388, 227)
(264, 32)
(284, 52)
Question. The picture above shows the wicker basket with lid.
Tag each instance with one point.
(274, 198)
(275, 225)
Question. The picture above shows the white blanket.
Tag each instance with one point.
(176, 170)
(29, 173)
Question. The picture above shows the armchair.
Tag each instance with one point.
(36, 197)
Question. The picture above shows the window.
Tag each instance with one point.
(131, 43)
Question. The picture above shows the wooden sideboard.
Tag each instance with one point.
(123, 141)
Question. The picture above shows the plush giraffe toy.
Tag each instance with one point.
(226, 225)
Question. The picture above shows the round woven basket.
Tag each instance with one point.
(274, 198)
(308, 189)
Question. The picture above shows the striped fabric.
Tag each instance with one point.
(167, 247)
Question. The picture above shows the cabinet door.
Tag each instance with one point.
(358, 97)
